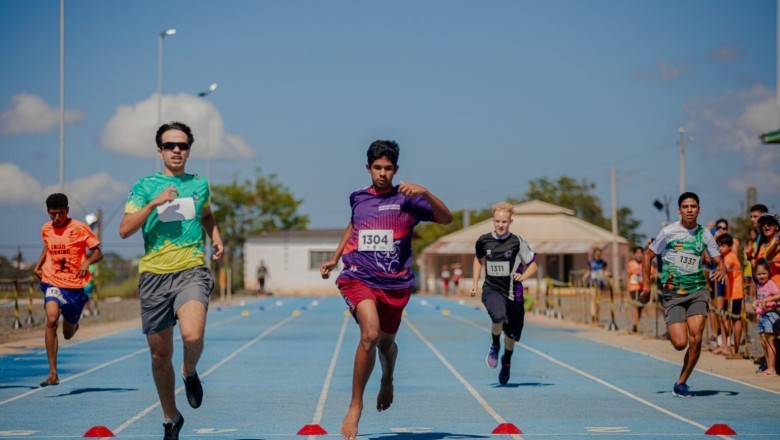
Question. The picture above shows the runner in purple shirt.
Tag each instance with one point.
(377, 253)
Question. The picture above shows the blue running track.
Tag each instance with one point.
(272, 366)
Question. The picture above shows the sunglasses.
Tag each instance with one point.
(724, 228)
(183, 146)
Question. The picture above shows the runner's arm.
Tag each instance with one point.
(528, 273)
(209, 224)
(96, 256)
(38, 270)
(647, 264)
(441, 213)
(132, 222)
(334, 259)
(477, 273)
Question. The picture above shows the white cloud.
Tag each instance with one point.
(30, 114)
(732, 122)
(20, 188)
(132, 128)
(725, 54)
(664, 71)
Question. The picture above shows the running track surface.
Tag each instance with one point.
(272, 366)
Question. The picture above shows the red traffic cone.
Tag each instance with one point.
(99, 431)
(507, 428)
(313, 429)
(720, 429)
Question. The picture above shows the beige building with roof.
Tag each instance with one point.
(562, 243)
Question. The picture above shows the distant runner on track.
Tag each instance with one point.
(377, 278)
(507, 260)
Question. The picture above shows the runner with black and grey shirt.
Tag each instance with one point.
(507, 260)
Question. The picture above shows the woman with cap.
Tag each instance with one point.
(769, 243)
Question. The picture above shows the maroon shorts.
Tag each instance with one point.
(389, 303)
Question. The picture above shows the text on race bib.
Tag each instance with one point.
(497, 268)
(375, 240)
(686, 262)
(54, 292)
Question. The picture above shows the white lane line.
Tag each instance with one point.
(710, 373)
(596, 379)
(238, 351)
(104, 365)
(328, 377)
(485, 405)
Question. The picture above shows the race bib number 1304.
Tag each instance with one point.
(375, 240)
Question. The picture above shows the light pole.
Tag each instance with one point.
(162, 35)
(681, 130)
(62, 96)
(205, 94)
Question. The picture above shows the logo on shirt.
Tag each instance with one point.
(392, 207)
(195, 197)
(489, 252)
(508, 254)
(699, 247)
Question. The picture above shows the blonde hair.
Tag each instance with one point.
(506, 207)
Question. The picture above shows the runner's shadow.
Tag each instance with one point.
(423, 436)
(94, 390)
(707, 393)
(522, 384)
(2, 387)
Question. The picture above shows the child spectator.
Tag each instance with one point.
(731, 316)
(768, 318)
(750, 260)
(635, 285)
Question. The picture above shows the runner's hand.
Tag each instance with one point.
(411, 190)
(83, 269)
(219, 249)
(473, 290)
(326, 268)
(167, 195)
(644, 297)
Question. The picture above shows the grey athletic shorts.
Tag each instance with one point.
(677, 308)
(162, 295)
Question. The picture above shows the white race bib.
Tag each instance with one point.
(685, 262)
(375, 240)
(180, 209)
(54, 292)
(497, 268)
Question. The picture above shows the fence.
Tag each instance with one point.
(612, 307)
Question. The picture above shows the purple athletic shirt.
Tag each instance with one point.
(379, 252)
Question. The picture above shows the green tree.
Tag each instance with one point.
(251, 206)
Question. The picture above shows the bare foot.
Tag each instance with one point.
(50, 381)
(385, 397)
(349, 426)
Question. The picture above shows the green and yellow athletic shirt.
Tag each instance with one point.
(173, 236)
(681, 251)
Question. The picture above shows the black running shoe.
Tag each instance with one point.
(503, 375)
(194, 390)
(172, 429)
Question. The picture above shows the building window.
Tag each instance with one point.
(316, 258)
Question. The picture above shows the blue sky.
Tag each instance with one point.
(481, 96)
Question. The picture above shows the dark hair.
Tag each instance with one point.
(174, 125)
(726, 239)
(57, 201)
(379, 149)
(762, 262)
(760, 208)
(752, 229)
(638, 248)
(722, 220)
(687, 195)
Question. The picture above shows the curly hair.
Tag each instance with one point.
(57, 201)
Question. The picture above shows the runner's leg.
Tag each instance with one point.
(388, 352)
(192, 324)
(695, 326)
(365, 357)
(161, 349)
(52, 309)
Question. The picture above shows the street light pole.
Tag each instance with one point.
(62, 96)
(682, 159)
(204, 95)
(162, 35)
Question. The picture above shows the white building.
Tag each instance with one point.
(293, 259)
(560, 240)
